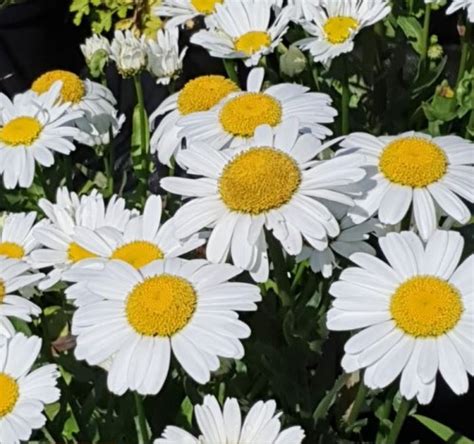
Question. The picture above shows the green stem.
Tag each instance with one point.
(358, 403)
(385, 410)
(142, 424)
(279, 268)
(426, 33)
(346, 95)
(111, 162)
(144, 133)
(402, 414)
(299, 273)
(229, 66)
(466, 42)
(48, 193)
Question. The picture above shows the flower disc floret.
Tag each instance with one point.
(259, 180)
(413, 162)
(161, 305)
(11, 250)
(339, 29)
(252, 42)
(138, 253)
(21, 131)
(243, 114)
(204, 92)
(206, 6)
(72, 90)
(426, 306)
(76, 253)
(10, 394)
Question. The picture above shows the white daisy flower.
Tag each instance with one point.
(60, 250)
(414, 168)
(415, 314)
(31, 130)
(129, 53)
(234, 120)
(352, 239)
(335, 23)
(274, 183)
(224, 425)
(187, 307)
(180, 11)
(95, 101)
(243, 29)
(14, 276)
(92, 45)
(199, 94)
(164, 59)
(142, 241)
(464, 4)
(16, 237)
(25, 392)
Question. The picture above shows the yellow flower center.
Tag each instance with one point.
(20, 131)
(413, 161)
(206, 6)
(339, 29)
(76, 253)
(202, 93)
(251, 42)
(10, 394)
(73, 89)
(3, 291)
(161, 305)
(259, 180)
(11, 250)
(138, 253)
(242, 115)
(426, 306)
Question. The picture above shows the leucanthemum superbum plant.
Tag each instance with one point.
(290, 226)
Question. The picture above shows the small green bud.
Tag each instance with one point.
(293, 62)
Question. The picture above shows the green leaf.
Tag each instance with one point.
(413, 31)
(328, 400)
(444, 432)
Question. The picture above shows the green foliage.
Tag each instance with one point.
(444, 432)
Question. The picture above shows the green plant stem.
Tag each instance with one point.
(229, 66)
(144, 134)
(358, 403)
(142, 423)
(346, 95)
(111, 162)
(47, 191)
(402, 414)
(426, 34)
(465, 43)
(279, 268)
(67, 164)
(383, 415)
(299, 273)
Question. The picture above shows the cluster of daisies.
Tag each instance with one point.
(259, 171)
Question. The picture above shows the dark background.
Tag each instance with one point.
(38, 35)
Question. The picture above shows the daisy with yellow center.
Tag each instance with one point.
(234, 120)
(14, 276)
(334, 24)
(171, 305)
(262, 424)
(24, 392)
(32, 129)
(198, 95)
(143, 240)
(243, 29)
(414, 169)
(178, 12)
(272, 183)
(59, 249)
(16, 238)
(414, 312)
(93, 100)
